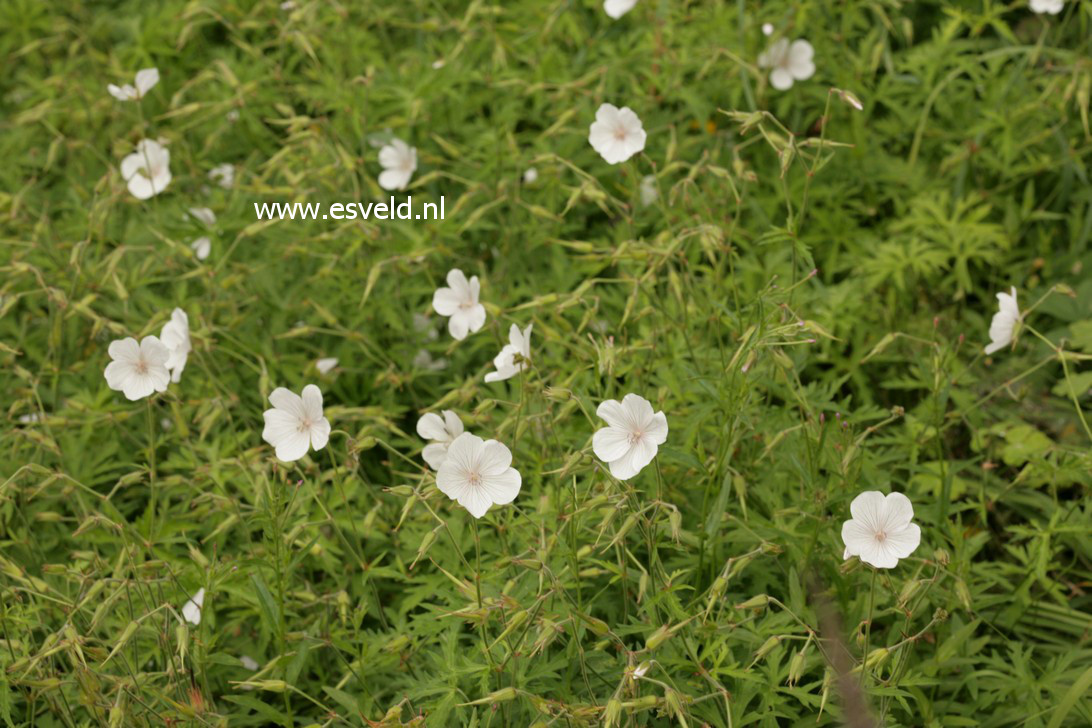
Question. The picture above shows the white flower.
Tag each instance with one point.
(459, 302)
(421, 322)
(224, 175)
(424, 360)
(880, 532)
(530, 176)
(176, 337)
(249, 663)
(616, 133)
(295, 423)
(191, 610)
(478, 474)
(201, 248)
(1052, 7)
(399, 162)
(147, 170)
(204, 214)
(232, 116)
(649, 192)
(1004, 321)
(442, 432)
(145, 79)
(633, 436)
(325, 366)
(617, 8)
(789, 62)
(767, 29)
(137, 370)
(519, 343)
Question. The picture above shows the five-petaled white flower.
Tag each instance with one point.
(441, 431)
(224, 175)
(191, 610)
(459, 302)
(790, 62)
(633, 436)
(478, 474)
(616, 133)
(617, 8)
(325, 366)
(399, 162)
(176, 337)
(145, 79)
(880, 532)
(201, 247)
(295, 423)
(519, 345)
(147, 170)
(1052, 7)
(1004, 322)
(137, 370)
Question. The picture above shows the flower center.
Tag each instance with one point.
(635, 436)
(620, 133)
(881, 536)
(141, 366)
(474, 478)
(305, 425)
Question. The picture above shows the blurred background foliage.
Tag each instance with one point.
(807, 300)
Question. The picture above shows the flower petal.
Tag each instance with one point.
(610, 444)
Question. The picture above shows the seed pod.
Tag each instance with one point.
(657, 638)
(796, 667)
(613, 713)
(756, 602)
(767, 647)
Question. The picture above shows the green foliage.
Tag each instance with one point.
(807, 300)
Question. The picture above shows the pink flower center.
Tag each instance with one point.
(620, 133)
(881, 536)
(305, 425)
(474, 478)
(141, 366)
(635, 436)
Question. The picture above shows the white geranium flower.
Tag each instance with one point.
(145, 79)
(459, 302)
(224, 174)
(325, 366)
(424, 360)
(519, 344)
(295, 423)
(147, 170)
(789, 62)
(204, 214)
(176, 337)
(137, 370)
(201, 247)
(441, 432)
(633, 436)
(1052, 7)
(617, 8)
(649, 192)
(1004, 323)
(880, 532)
(616, 133)
(478, 474)
(530, 176)
(191, 610)
(767, 29)
(249, 663)
(399, 162)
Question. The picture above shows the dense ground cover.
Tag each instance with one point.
(804, 288)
